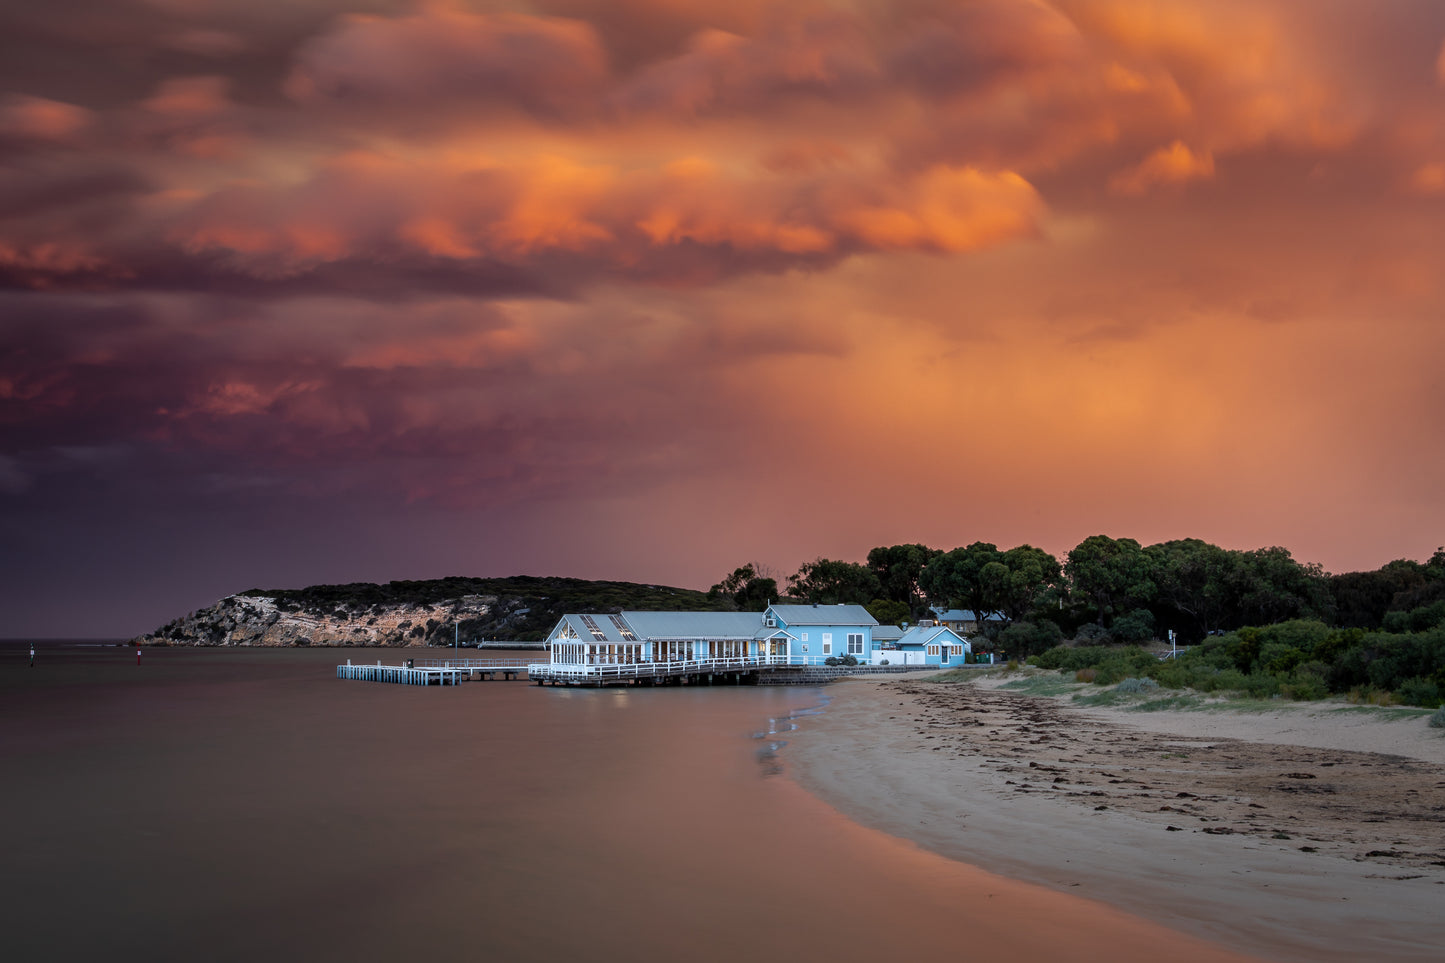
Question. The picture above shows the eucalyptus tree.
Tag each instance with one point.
(1115, 577)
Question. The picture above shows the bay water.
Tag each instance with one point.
(244, 804)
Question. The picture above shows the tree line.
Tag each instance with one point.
(1106, 590)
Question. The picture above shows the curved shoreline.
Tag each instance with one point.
(1036, 789)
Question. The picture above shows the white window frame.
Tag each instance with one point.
(855, 639)
(933, 650)
(827, 648)
(805, 636)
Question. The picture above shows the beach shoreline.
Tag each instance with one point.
(1297, 834)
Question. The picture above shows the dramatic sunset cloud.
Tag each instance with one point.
(328, 290)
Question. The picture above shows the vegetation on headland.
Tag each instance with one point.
(518, 609)
(1257, 622)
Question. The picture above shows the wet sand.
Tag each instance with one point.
(1301, 834)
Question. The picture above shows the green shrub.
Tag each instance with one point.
(1137, 626)
(1134, 685)
(1073, 658)
(1280, 657)
(1307, 682)
(1419, 692)
(1028, 638)
(1122, 666)
(1437, 721)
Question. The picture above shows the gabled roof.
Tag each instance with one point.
(964, 615)
(932, 635)
(694, 625)
(611, 631)
(887, 632)
(824, 615)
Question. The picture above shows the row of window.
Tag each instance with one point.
(676, 650)
(952, 650)
(855, 642)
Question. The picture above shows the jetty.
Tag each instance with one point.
(435, 671)
(485, 669)
(399, 674)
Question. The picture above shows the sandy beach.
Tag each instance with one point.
(1308, 832)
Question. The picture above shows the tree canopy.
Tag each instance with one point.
(826, 581)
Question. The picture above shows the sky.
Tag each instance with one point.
(358, 290)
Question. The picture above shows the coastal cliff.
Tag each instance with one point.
(412, 613)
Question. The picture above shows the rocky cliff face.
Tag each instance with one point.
(263, 620)
(517, 608)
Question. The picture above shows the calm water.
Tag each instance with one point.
(247, 805)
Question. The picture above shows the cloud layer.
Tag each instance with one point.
(790, 279)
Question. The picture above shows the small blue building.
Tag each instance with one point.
(929, 644)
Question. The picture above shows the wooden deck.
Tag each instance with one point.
(436, 671)
(485, 669)
(764, 670)
(399, 674)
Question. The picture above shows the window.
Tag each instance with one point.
(933, 650)
(769, 621)
(805, 636)
(827, 647)
(855, 643)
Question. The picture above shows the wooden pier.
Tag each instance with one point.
(436, 671)
(486, 669)
(400, 674)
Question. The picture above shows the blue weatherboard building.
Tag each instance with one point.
(815, 633)
(930, 644)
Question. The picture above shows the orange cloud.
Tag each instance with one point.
(533, 210)
(447, 56)
(1236, 71)
(950, 210)
(1175, 164)
(190, 97)
(40, 118)
(1428, 179)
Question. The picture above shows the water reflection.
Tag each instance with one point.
(247, 805)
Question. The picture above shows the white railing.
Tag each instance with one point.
(675, 667)
(474, 663)
(642, 669)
